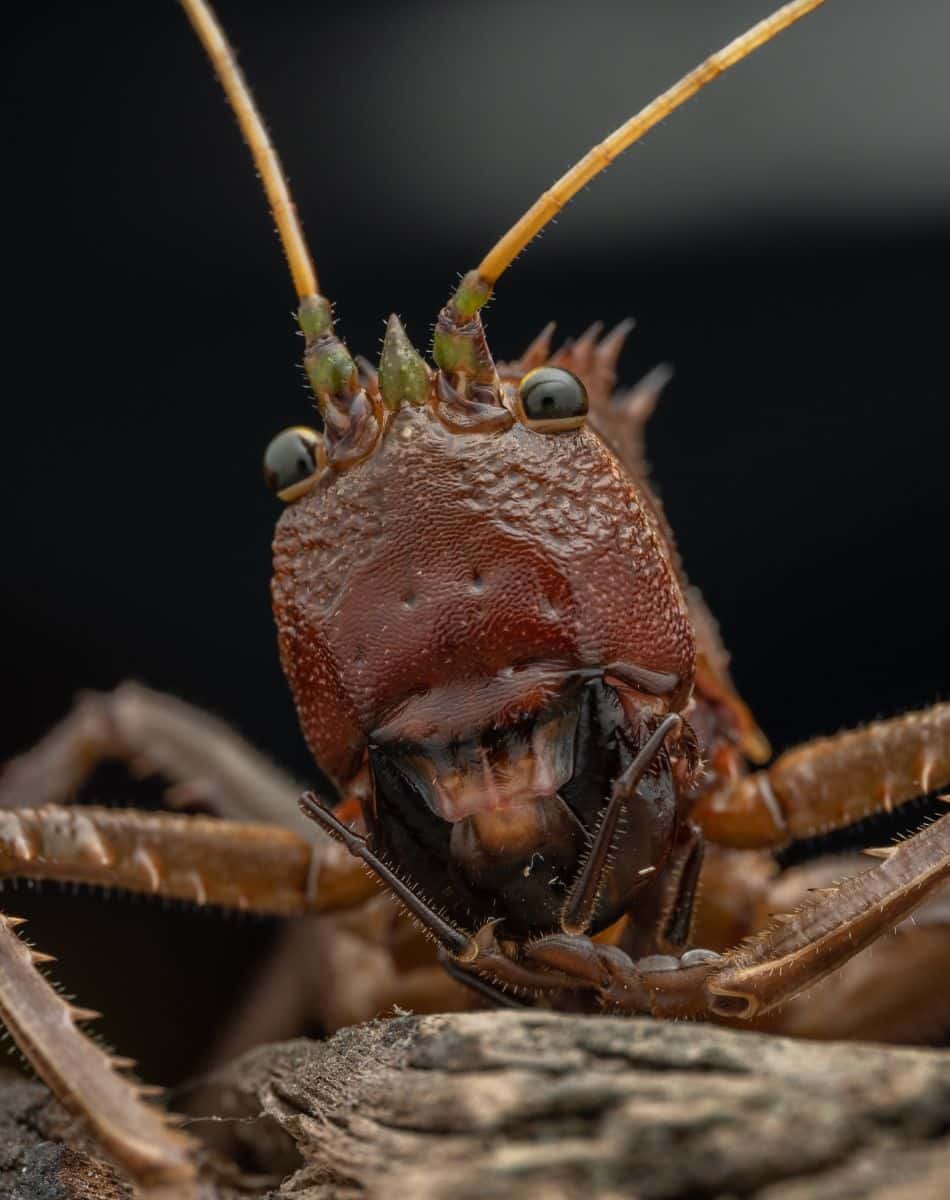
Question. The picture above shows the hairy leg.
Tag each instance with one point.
(796, 951)
(800, 948)
(260, 868)
(87, 1081)
(877, 995)
(898, 990)
(152, 732)
(831, 782)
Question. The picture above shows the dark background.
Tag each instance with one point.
(784, 242)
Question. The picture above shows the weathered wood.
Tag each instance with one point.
(547, 1107)
(544, 1106)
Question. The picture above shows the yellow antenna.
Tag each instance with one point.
(501, 255)
(265, 156)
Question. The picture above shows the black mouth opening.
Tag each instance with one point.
(527, 891)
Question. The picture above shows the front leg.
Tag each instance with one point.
(251, 867)
(797, 950)
(831, 782)
(801, 947)
(87, 1081)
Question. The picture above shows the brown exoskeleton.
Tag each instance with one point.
(525, 709)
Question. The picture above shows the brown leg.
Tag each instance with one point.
(771, 968)
(832, 782)
(804, 946)
(898, 991)
(262, 868)
(152, 732)
(86, 1080)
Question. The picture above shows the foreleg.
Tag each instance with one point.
(804, 946)
(87, 1081)
(898, 990)
(769, 969)
(260, 868)
(831, 782)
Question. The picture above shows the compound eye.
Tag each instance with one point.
(293, 461)
(552, 400)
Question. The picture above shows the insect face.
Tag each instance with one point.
(466, 611)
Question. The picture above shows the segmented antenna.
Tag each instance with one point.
(501, 255)
(268, 165)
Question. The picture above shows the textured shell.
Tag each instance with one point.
(445, 560)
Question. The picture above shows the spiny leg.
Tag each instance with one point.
(831, 782)
(153, 732)
(795, 952)
(86, 1080)
(876, 995)
(801, 947)
(260, 868)
(899, 991)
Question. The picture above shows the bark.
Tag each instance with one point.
(548, 1107)
(43, 1156)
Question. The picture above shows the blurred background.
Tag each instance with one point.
(784, 243)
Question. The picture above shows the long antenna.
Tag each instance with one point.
(268, 165)
(501, 255)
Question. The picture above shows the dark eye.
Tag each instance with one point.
(552, 400)
(293, 461)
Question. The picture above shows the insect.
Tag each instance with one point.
(496, 658)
